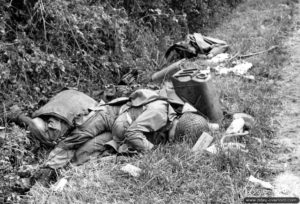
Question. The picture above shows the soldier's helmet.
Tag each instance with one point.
(189, 127)
(38, 130)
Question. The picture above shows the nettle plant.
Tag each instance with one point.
(48, 45)
(58, 43)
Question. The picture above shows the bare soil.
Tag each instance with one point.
(288, 182)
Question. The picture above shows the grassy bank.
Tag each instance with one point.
(48, 45)
(171, 174)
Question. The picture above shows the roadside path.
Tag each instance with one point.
(288, 182)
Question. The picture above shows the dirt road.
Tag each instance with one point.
(288, 183)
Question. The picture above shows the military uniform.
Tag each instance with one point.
(57, 118)
(125, 123)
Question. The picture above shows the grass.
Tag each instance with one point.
(171, 174)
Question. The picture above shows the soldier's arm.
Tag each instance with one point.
(154, 117)
(17, 116)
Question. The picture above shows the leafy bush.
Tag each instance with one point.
(15, 152)
(47, 45)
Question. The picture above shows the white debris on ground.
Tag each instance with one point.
(212, 149)
(219, 58)
(238, 128)
(202, 143)
(239, 69)
(249, 121)
(220, 65)
(263, 184)
(287, 185)
(132, 170)
(60, 185)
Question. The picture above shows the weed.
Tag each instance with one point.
(171, 173)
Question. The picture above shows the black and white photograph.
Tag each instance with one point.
(149, 102)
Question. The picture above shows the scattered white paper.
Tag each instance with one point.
(264, 184)
(241, 69)
(132, 170)
(60, 185)
(236, 126)
(212, 149)
(219, 58)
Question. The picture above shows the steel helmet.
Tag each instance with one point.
(38, 130)
(189, 127)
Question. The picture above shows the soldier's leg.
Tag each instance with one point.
(100, 122)
(65, 150)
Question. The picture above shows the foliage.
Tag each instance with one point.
(47, 45)
(172, 174)
(15, 152)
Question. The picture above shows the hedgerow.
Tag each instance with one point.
(47, 45)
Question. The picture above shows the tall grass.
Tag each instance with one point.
(171, 173)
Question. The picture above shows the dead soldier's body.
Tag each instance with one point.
(122, 124)
(80, 128)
